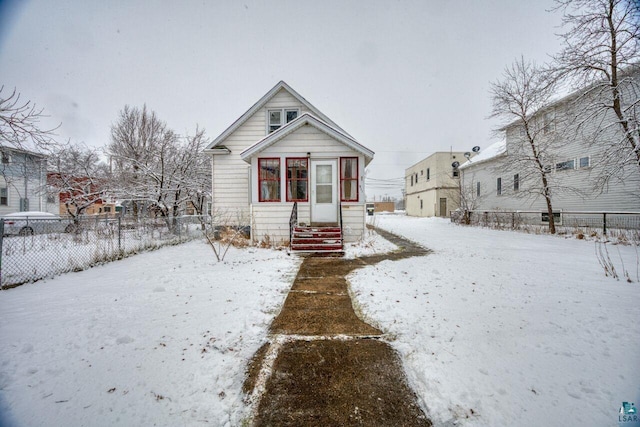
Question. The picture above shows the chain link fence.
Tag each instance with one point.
(35, 248)
(616, 224)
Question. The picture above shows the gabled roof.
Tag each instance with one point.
(261, 103)
(307, 119)
(10, 147)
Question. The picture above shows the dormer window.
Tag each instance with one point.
(280, 117)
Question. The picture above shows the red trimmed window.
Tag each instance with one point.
(269, 180)
(297, 179)
(349, 179)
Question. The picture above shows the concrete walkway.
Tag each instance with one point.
(323, 366)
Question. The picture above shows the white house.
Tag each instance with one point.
(23, 178)
(283, 152)
(499, 179)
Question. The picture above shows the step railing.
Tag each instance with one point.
(341, 230)
(293, 221)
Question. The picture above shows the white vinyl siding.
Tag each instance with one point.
(235, 182)
(619, 196)
(273, 221)
(230, 174)
(319, 145)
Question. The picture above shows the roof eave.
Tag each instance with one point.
(261, 102)
(217, 151)
(297, 124)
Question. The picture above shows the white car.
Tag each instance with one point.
(34, 222)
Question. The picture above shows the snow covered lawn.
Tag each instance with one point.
(495, 328)
(499, 328)
(161, 338)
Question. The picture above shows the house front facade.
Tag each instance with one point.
(284, 152)
(432, 185)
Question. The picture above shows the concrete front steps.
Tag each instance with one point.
(317, 239)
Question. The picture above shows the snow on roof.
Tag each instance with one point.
(30, 214)
(492, 151)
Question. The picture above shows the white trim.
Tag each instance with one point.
(283, 117)
(306, 119)
(324, 212)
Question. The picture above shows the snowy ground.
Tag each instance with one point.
(161, 338)
(521, 329)
(498, 328)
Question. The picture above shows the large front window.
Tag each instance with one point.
(349, 179)
(297, 178)
(269, 180)
(280, 117)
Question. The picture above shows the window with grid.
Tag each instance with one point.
(4, 196)
(269, 180)
(280, 117)
(349, 179)
(297, 180)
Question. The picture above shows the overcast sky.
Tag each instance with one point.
(405, 78)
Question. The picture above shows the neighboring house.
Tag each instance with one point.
(432, 185)
(498, 178)
(23, 182)
(282, 151)
(80, 191)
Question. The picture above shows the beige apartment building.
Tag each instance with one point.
(432, 185)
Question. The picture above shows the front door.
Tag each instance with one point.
(443, 206)
(324, 191)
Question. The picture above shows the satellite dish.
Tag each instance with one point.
(467, 154)
(475, 149)
(455, 164)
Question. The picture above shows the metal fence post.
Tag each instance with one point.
(1, 238)
(604, 223)
(120, 234)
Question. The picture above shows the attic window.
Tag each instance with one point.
(280, 117)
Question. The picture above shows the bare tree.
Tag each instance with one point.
(78, 175)
(140, 143)
(20, 123)
(197, 171)
(518, 99)
(154, 166)
(466, 197)
(602, 53)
